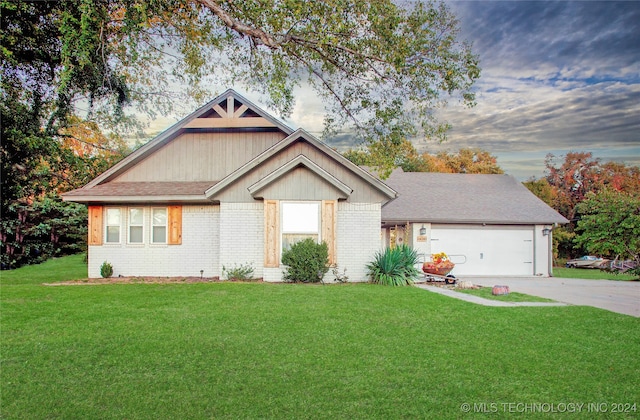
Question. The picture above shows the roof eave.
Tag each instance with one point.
(396, 220)
(195, 199)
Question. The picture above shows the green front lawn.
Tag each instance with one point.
(56, 269)
(589, 273)
(234, 350)
(485, 292)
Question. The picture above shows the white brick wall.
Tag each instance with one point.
(358, 238)
(233, 234)
(272, 274)
(242, 235)
(198, 251)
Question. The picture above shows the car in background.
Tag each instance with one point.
(587, 261)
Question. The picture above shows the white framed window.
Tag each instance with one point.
(112, 231)
(136, 225)
(300, 220)
(159, 225)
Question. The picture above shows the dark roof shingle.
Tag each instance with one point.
(143, 189)
(464, 198)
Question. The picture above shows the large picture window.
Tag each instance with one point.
(113, 226)
(159, 226)
(136, 225)
(300, 221)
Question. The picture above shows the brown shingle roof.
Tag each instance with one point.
(464, 198)
(143, 189)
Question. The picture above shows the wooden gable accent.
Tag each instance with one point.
(341, 178)
(271, 233)
(300, 179)
(201, 146)
(174, 220)
(95, 225)
(230, 113)
(329, 227)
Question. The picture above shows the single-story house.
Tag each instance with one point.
(231, 185)
(489, 225)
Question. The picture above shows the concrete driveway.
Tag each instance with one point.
(616, 296)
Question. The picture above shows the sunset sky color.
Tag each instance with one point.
(557, 76)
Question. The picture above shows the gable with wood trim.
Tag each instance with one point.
(230, 185)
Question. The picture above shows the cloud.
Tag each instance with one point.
(557, 76)
(576, 39)
(530, 119)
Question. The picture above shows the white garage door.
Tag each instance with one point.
(486, 250)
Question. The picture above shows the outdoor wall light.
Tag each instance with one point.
(423, 230)
(546, 231)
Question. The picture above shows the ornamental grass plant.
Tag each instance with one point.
(394, 267)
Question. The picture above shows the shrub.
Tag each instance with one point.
(238, 272)
(394, 267)
(340, 277)
(306, 261)
(106, 270)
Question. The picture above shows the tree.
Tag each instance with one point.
(36, 166)
(385, 156)
(74, 69)
(621, 177)
(32, 232)
(542, 189)
(581, 173)
(467, 161)
(576, 176)
(381, 67)
(570, 180)
(609, 225)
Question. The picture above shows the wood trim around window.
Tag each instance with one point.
(329, 228)
(271, 233)
(95, 225)
(174, 225)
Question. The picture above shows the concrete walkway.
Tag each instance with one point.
(482, 301)
(617, 296)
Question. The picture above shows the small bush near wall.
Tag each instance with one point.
(241, 272)
(306, 261)
(106, 270)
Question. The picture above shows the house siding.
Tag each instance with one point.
(201, 157)
(242, 236)
(198, 251)
(362, 191)
(232, 234)
(358, 238)
(300, 184)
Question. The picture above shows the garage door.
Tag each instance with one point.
(486, 250)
